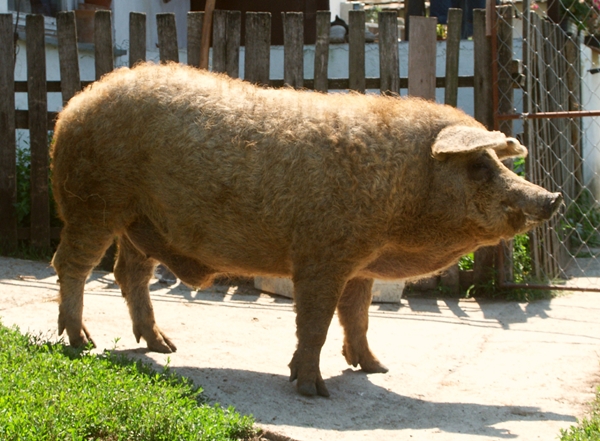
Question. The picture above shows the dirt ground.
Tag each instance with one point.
(458, 370)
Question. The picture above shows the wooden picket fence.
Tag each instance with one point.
(421, 80)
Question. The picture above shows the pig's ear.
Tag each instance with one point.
(512, 149)
(464, 139)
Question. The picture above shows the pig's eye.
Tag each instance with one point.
(480, 170)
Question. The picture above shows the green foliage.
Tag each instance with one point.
(441, 31)
(587, 429)
(518, 166)
(466, 262)
(522, 263)
(585, 14)
(582, 221)
(52, 392)
(372, 14)
(23, 186)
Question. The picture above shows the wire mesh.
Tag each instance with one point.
(558, 73)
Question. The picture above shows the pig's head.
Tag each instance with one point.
(495, 202)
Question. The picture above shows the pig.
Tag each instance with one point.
(209, 175)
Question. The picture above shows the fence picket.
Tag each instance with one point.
(195, 20)
(103, 44)
(421, 58)
(234, 32)
(219, 41)
(356, 48)
(258, 47)
(167, 37)
(37, 98)
(137, 38)
(482, 63)
(68, 56)
(452, 55)
(322, 51)
(8, 162)
(389, 67)
(226, 42)
(293, 49)
(485, 258)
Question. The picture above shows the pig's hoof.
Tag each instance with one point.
(365, 358)
(373, 367)
(309, 383)
(310, 389)
(163, 345)
(78, 338)
(156, 340)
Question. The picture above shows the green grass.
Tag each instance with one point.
(587, 429)
(51, 392)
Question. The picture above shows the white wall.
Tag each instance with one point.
(121, 10)
(591, 125)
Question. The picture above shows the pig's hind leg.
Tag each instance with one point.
(353, 312)
(77, 254)
(133, 272)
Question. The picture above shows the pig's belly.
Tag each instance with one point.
(398, 265)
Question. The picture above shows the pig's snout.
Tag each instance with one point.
(554, 202)
(540, 208)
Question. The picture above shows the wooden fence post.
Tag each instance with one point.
(103, 44)
(8, 161)
(195, 21)
(37, 98)
(322, 51)
(421, 57)
(219, 41)
(421, 79)
(452, 56)
(258, 47)
(485, 258)
(389, 66)
(450, 279)
(234, 34)
(167, 37)
(226, 42)
(504, 38)
(70, 82)
(356, 48)
(293, 49)
(137, 38)
(412, 8)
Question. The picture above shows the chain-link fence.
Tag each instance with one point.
(550, 99)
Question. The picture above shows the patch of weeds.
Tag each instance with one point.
(23, 204)
(26, 251)
(522, 262)
(587, 429)
(51, 391)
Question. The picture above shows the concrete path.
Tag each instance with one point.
(458, 370)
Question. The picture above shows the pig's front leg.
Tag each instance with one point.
(316, 297)
(353, 312)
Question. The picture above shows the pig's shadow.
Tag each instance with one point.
(355, 403)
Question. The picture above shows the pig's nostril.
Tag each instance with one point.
(555, 202)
